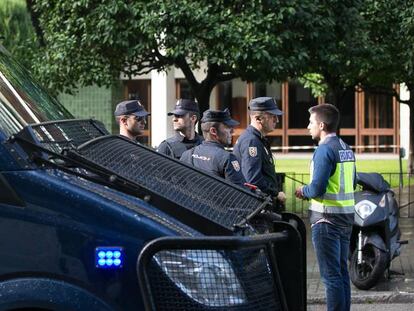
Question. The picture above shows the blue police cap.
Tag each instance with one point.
(218, 116)
(128, 107)
(266, 104)
(184, 106)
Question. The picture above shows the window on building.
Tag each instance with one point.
(232, 95)
(347, 108)
(377, 143)
(378, 111)
(350, 140)
(224, 95)
(141, 90)
(300, 100)
(183, 89)
(274, 90)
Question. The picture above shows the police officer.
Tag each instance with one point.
(253, 150)
(185, 116)
(131, 117)
(331, 212)
(217, 127)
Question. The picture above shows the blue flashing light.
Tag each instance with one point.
(109, 257)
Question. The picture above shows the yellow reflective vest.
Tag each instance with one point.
(337, 203)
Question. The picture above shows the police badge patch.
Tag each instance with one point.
(253, 151)
(236, 165)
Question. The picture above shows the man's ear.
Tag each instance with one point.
(123, 120)
(322, 126)
(213, 131)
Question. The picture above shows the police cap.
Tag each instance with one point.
(266, 104)
(128, 107)
(218, 116)
(184, 106)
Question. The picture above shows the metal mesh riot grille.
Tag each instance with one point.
(212, 280)
(67, 134)
(199, 192)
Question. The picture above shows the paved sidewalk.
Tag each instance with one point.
(398, 289)
(405, 199)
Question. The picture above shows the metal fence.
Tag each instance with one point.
(226, 273)
(402, 185)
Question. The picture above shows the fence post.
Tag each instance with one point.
(402, 155)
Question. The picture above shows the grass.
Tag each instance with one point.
(301, 166)
(299, 170)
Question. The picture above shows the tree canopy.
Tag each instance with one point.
(92, 41)
(334, 45)
(16, 31)
(391, 26)
(344, 53)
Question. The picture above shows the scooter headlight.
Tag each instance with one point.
(365, 208)
(204, 275)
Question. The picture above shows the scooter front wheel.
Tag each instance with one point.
(367, 274)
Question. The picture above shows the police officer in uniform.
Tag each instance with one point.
(253, 149)
(217, 127)
(131, 117)
(331, 212)
(185, 116)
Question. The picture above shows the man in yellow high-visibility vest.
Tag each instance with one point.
(331, 193)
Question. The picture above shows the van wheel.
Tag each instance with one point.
(367, 274)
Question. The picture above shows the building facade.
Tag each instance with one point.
(370, 122)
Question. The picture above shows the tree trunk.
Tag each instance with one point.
(202, 94)
(203, 99)
(34, 16)
(335, 97)
(201, 90)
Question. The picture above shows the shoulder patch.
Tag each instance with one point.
(236, 165)
(346, 156)
(253, 151)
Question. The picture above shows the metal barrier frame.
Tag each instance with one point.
(70, 153)
(285, 250)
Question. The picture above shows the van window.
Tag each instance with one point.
(22, 100)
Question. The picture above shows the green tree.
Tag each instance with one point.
(343, 52)
(370, 45)
(391, 27)
(16, 31)
(92, 41)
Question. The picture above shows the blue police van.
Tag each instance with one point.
(93, 221)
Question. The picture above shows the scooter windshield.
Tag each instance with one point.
(22, 100)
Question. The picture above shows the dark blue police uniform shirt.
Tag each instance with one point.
(211, 157)
(256, 160)
(176, 145)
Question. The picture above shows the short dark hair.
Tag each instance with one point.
(328, 114)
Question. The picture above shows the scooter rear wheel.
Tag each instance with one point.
(367, 274)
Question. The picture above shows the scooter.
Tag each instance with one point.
(375, 239)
